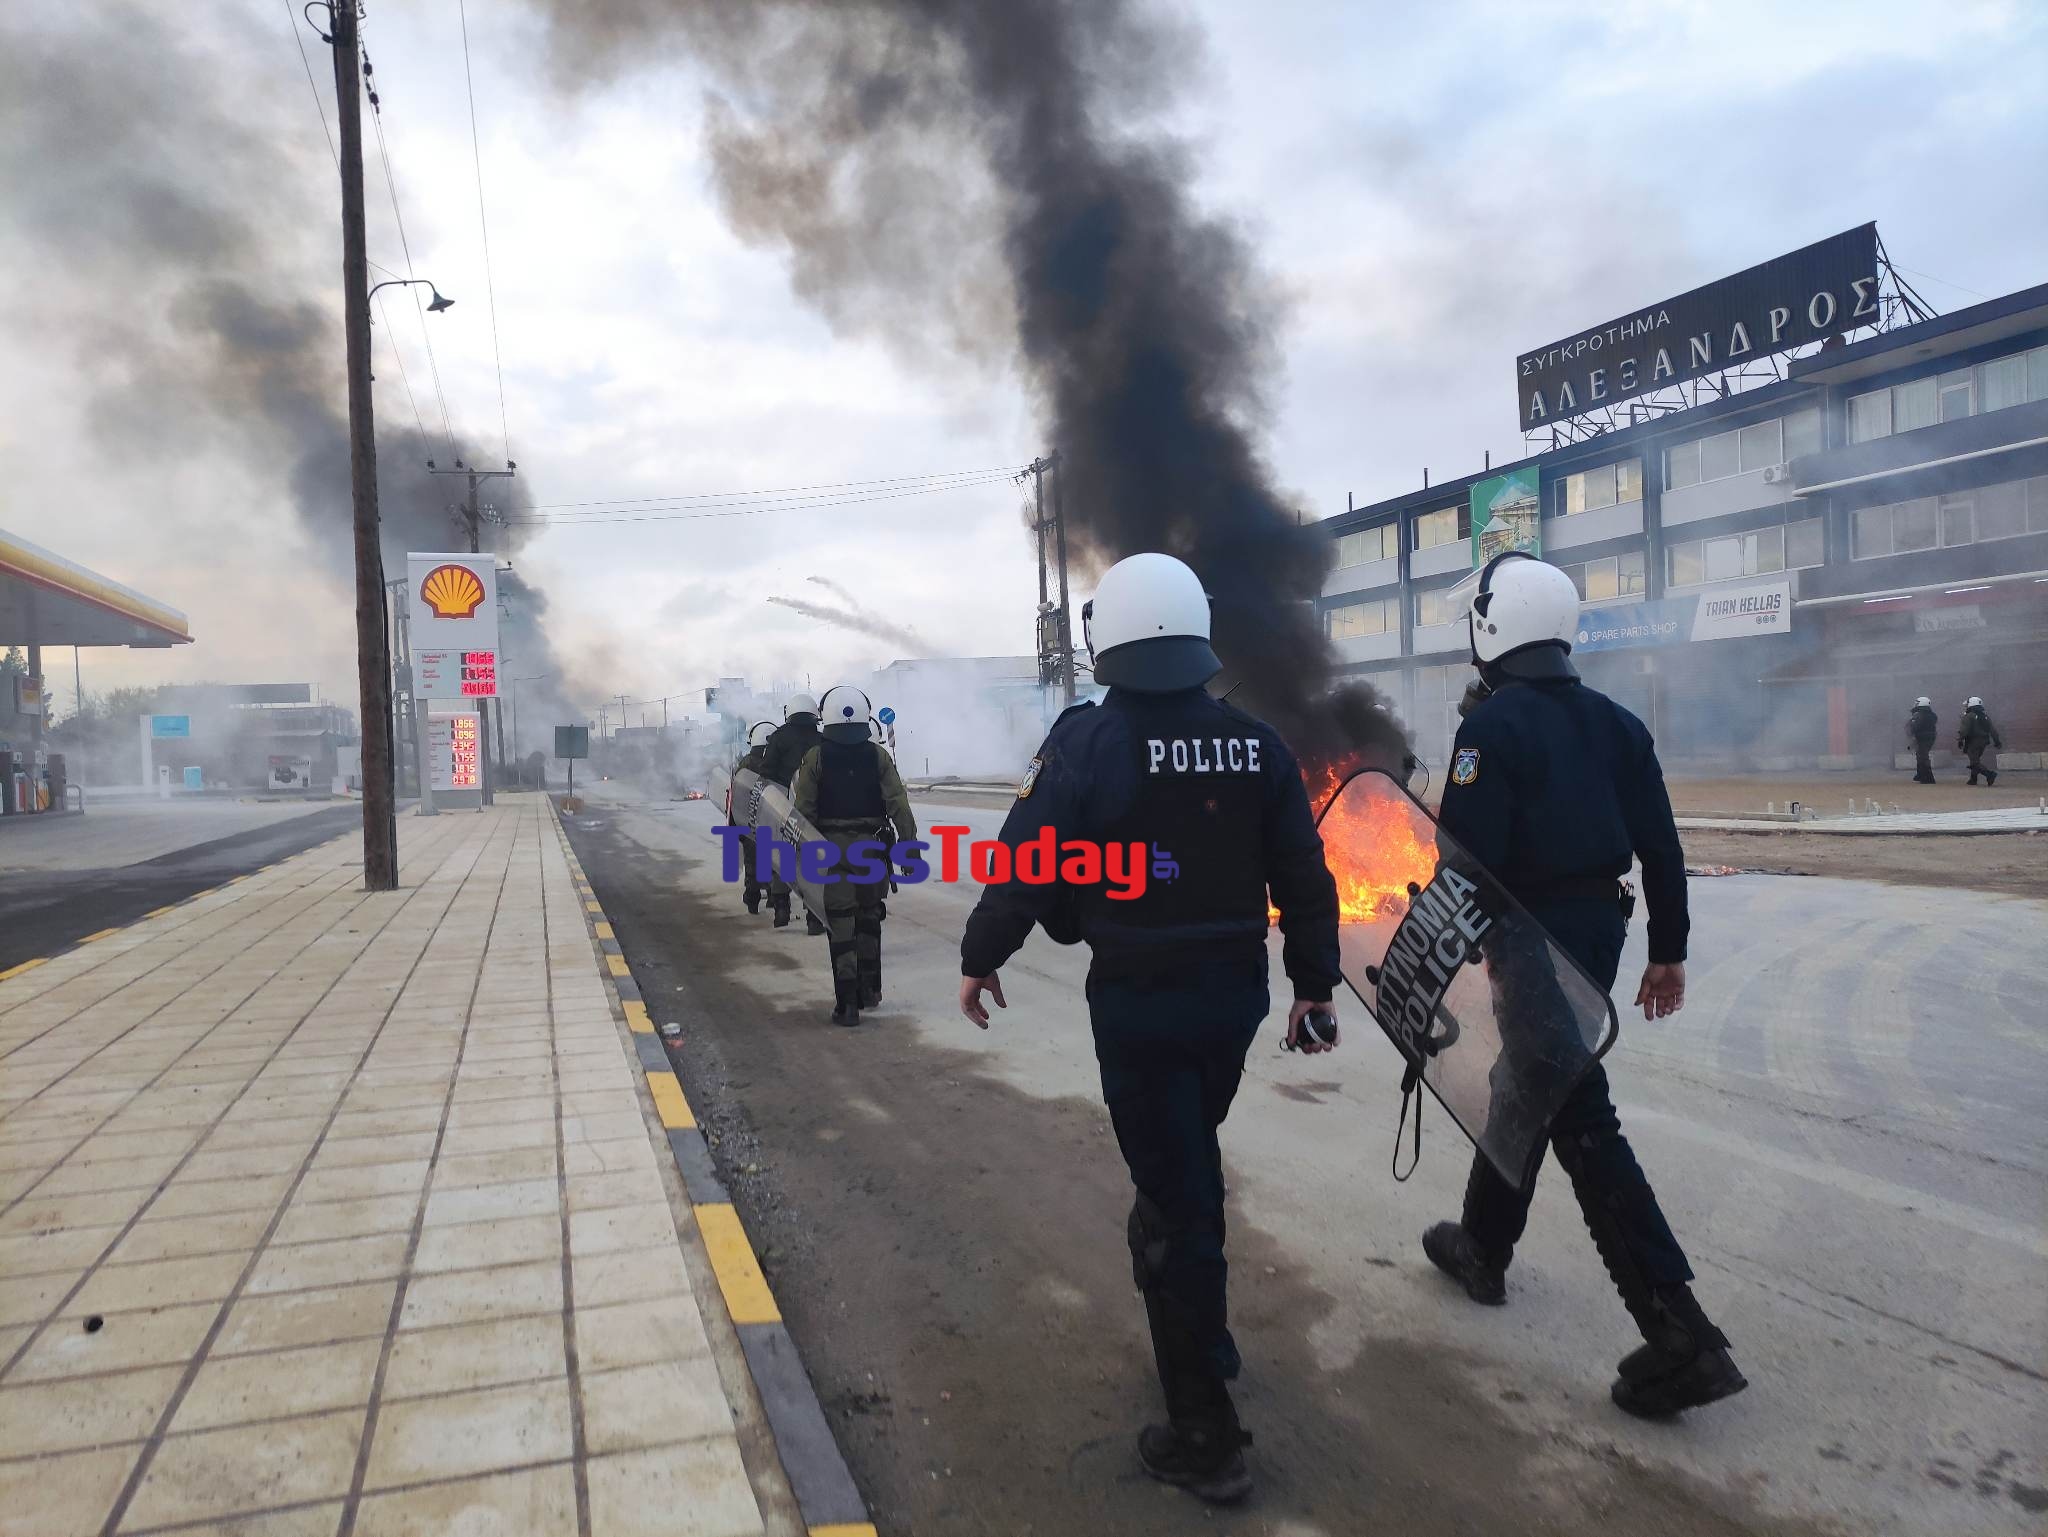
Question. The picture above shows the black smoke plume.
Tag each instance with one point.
(981, 173)
(186, 253)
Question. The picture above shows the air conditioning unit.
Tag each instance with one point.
(1777, 474)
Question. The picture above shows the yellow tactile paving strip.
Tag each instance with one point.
(339, 1212)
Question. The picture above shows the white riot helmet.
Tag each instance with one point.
(1973, 703)
(844, 714)
(1516, 601)
(799, 704)
(1147, 626)
(759, 732)
(1922, 703)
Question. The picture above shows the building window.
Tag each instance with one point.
(1608, 486)
(1434, 606)
(1354, 621)
(1742, 450)
(1758, 552)
(1963, 517)
(1613, 576)
(1447, 525)
(1363, 545)
(2012, 380)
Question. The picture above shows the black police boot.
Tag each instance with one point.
(1201, 1447)
(1683, 1363)
(1457, 1254)
(871, 984)
(779, 905)
(811, 924)
(752, 897)
(845, 1002)
(1991, 776)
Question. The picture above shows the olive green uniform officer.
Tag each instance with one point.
(753, 758)
(848, 789)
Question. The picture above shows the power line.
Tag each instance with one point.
(320, 107)
(405, 245)
(750, 509)
(1945, 283)
(823, 485)
(483, 225)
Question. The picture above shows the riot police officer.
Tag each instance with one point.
(1553, 787)
(786, 749)
(1177, 983)
(1921, 724)
(847, 787)
(1978, 737)
(753, 758)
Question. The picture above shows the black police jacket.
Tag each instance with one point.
(1203, 786)
(1554, 785)
(787, 744)
(1921, 725)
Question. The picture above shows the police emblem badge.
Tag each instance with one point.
(1465, 767)
(1030, 778)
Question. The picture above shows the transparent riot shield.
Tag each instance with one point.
(769, 810)
(1499, 1023)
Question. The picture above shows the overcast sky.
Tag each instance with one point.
(1432, 189)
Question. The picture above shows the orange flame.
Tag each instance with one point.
(1376, 845)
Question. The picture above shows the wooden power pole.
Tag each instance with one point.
(373, 656)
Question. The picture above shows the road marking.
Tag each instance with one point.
(158, 912)
(618, 966)
(636, 1016)
(604, 930)
(845, 1529)
(746, 1293)
(15, 971)
(593, 907)
(668, 1099)
(102, 934)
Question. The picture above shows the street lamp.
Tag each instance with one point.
(435, 305)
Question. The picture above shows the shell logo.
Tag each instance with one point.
(452, 591)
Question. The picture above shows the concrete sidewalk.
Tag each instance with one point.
(327, 1212)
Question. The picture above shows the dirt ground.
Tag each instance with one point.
(1830, 794)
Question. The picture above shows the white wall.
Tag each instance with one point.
(1592, 526)
(1714, 498)
(1369, 648)
(1435, 561)
(1362, 577)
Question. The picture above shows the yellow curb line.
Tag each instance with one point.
(616, 964)
(593, 907)
(604, 930)
(669, 1100)
(746, 1292)
(102, 934)
(15, 971)
(845, 1529)
(637, 1019)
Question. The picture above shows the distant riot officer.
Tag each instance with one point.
(1553, 788)
(1921, 723)
(787, 745)
(847, 787)
(752, 758)
(1177, 985)
(1977, 738)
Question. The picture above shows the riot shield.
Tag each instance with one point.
(768, 809)
(1499, 1023)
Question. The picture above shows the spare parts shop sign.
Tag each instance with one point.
(1722, 614)
(1823, 290)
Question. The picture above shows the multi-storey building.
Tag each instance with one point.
(1768, 578)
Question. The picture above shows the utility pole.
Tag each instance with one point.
(373, 661)
(1059, 523)
(472, 520)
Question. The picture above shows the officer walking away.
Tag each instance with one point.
(1980, 739)
(1553, 787)
(1920, 728)
(847, 787)
(753, 758)
(787, 746)
(1177, 983)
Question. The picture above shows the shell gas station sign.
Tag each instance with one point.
(454, 602)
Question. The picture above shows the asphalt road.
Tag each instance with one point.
(68, 877)
(1846, 1125)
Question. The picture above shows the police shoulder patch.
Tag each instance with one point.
(1465, 767)
(1030, 778)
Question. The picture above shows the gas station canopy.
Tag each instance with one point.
(46, 600)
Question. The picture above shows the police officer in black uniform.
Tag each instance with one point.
(1554, 787)
(1921, 725)
(753, 758)
(1177, 985)
(788, 746)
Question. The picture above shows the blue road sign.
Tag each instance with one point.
(886, 716)
(170, 726)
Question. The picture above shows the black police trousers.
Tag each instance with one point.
(1621, 1210)
(1171, 1048)
(1923, 766)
